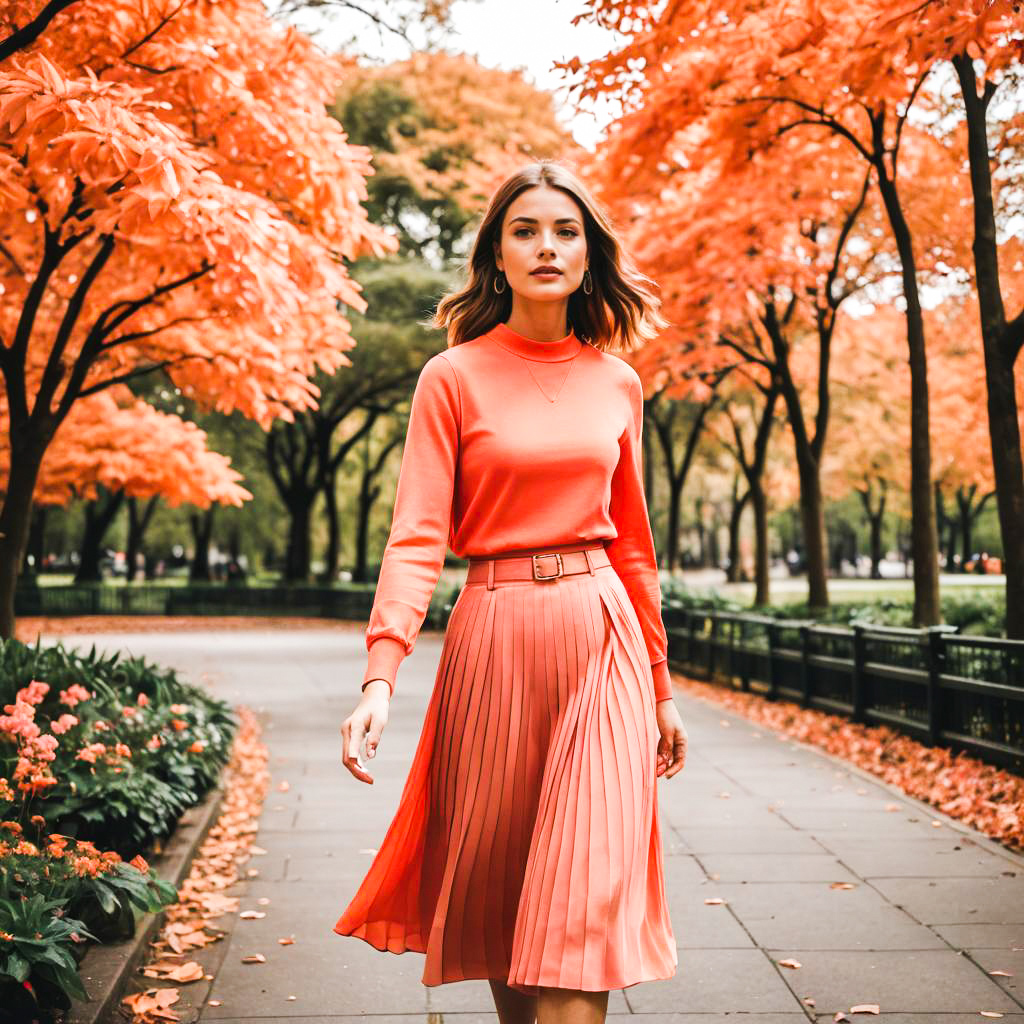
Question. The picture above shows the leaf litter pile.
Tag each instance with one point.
(987, 798)
(202, 896)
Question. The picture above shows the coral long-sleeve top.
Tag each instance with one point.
(492, 465)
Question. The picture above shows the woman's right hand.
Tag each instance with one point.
(367, 720)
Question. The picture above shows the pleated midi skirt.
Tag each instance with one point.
(526, 844)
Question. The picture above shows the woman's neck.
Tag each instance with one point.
(541, 321)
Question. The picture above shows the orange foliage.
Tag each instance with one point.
(470, 126)
(173, 193)
(117, 441)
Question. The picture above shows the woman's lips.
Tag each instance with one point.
(546, 273)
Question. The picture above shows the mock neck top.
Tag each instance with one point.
(542, 351)
(517, 445)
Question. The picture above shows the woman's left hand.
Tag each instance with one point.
(672, 745)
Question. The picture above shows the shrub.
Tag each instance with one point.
(97, 753)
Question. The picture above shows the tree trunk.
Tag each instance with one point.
(762, 584)
(333, 553)
(99, 515)
(812, 520)
(1002, 344)
(201, 524)
(36, 545)
(924, 544)
(675, 511)
(26, 455)
(735, 573)
(875, 516)
(139, 518)
(297, 557)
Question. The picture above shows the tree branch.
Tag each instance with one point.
(29, 33)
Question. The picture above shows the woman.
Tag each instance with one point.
(526, 847)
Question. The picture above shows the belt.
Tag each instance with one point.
(542, 566)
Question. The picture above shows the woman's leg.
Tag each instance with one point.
(513, 1006)
(570, 1006)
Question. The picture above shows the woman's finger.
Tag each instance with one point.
(352, 737)
(678, 754)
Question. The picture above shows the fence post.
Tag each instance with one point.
(712, 646)
(936, 666)
(690, 663)
(857, 681)
(805, 668)
(773, 643)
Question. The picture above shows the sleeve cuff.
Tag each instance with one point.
(662, 680)
(384, 657)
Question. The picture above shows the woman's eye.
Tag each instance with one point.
(565, 231)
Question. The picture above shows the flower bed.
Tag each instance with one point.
(99, 757)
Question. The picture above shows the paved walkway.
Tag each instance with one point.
(758, 821)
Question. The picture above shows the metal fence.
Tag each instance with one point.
(939, 686)
(351, 602)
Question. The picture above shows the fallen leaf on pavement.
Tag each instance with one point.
(151, 999)
(191, 971)
(254, 958)
(865, 1008)
(789, 963)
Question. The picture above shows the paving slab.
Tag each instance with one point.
(957, 900)
(723, 981)
(932, 911)
(905, 981)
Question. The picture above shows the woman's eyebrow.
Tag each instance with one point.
(533, 220)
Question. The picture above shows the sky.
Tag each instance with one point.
(508, 34)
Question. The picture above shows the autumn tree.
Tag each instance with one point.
(861, 73)
(174, 197)
(764, 71)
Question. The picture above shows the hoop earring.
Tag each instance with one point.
(588, 283)
(504, 283)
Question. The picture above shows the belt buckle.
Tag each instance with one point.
(558, 559)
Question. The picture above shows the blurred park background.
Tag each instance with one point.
(223, 225)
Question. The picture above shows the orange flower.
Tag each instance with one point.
(139, 862)
(91, 752)
(179, 709)
(179, 724)
(62, 724)
(142, 700)
(123, 750)
(197, 747)
(74, 694)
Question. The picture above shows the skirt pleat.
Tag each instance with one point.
(526, 843)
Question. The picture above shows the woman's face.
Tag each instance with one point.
(542, 227)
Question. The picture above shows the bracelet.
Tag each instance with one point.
(391, 689)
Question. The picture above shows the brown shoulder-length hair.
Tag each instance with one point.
(621, 313)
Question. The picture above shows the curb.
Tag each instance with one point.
(106, 968)
(969, 831)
